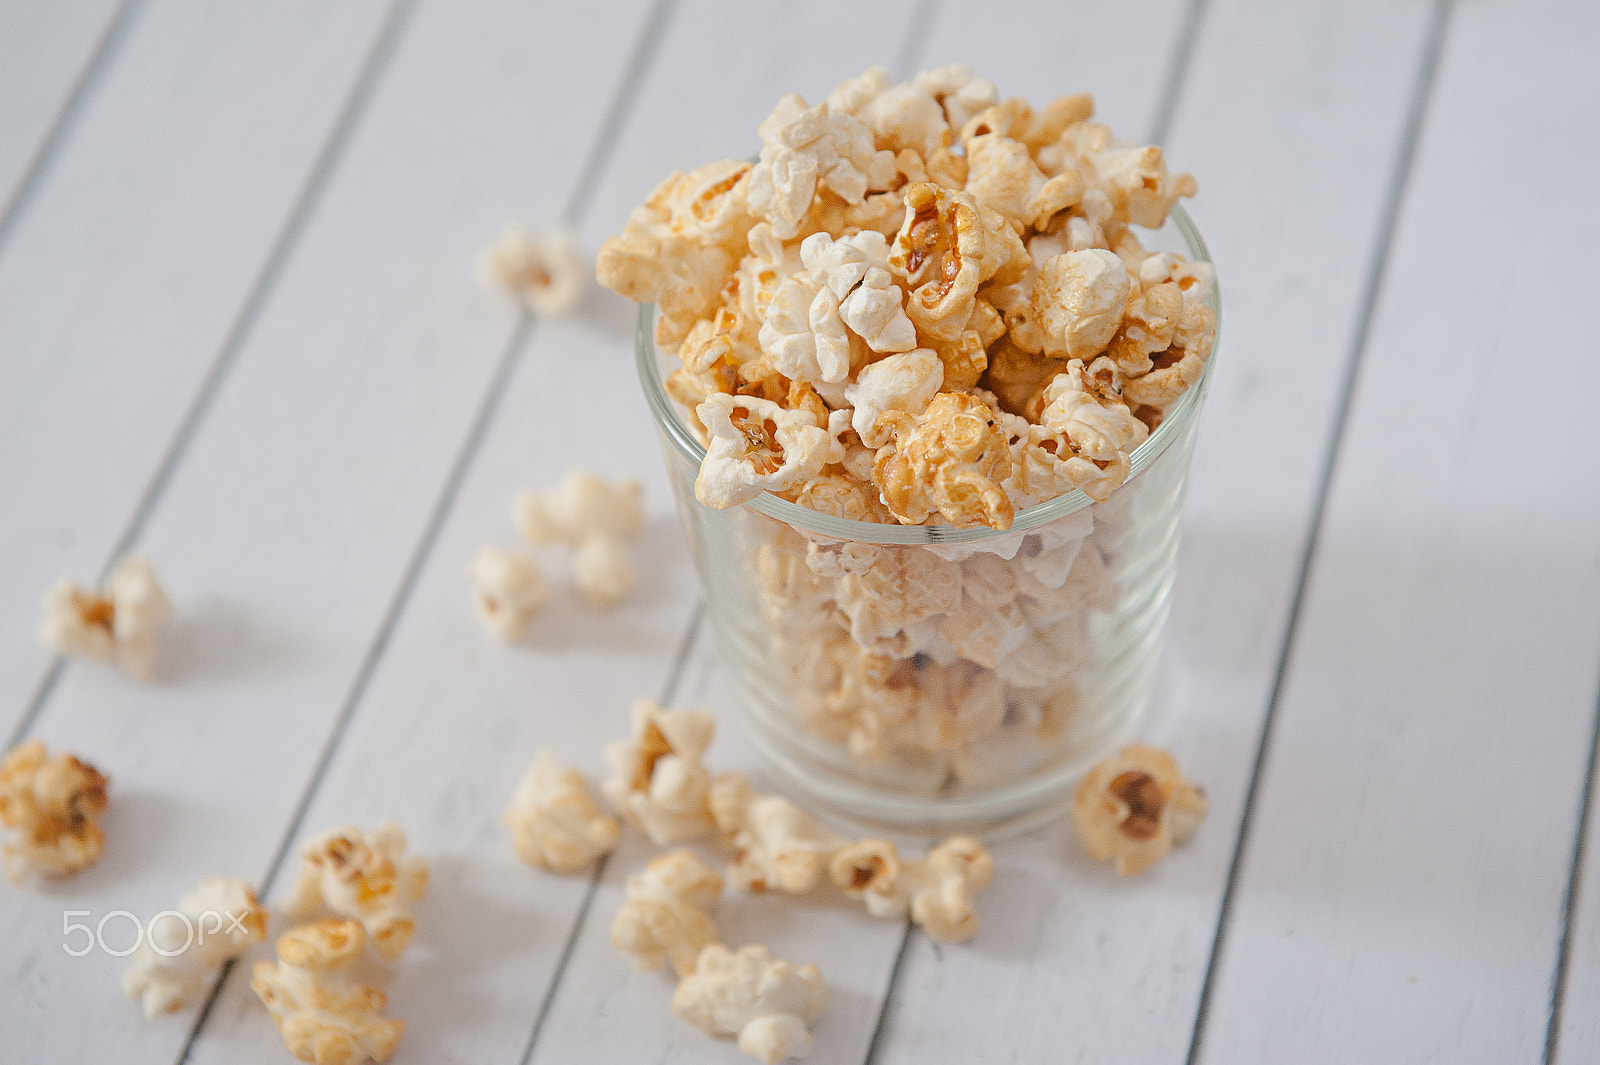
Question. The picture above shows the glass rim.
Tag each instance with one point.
(689, 447)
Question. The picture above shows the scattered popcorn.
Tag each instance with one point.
(776, 844)
(508, 590)
(605, 575)
(1135, 807)
(182, 950)
(554, 823)
(937, 892)
(117, 625)
(660, 784)
(767, 1003)
(322, 1019)
(580, 507)
(365, 876)
(664, 918)
(544, 272)
(54, 804)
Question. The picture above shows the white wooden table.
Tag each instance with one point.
(239, 332)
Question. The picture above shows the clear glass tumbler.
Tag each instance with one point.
(924, 678)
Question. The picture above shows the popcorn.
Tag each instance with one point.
(554, 823)
(907, 116)
(604, 573)
(660, 784)
(664, 917)
(1085, 415)
(938, 892)
(181, 950)
(952, 460)
(805, 149)
(803, 332)
(756, 446)
(1135, 807)
(54, 803)
(366, 877)
(545, 272)
(508, 590)
(961, 93)
(321, 1018)
(1079, 298)
(117, 625)
(903, 586)
(580, 507)
(776, 844)
(906, 382)
(1002, 176)
(875, 312)
(767, 1003)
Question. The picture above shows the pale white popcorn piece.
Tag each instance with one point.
(1134, 807)
(508, 590)
(907, 116)
(546, 273)
(777, 846)
(809, 148)
(54, 804)
(581, 506)
(803, 333)
(1198, 281)
(852, 94)
(905, 382)
(961, 93)
(603, 570)
(322, 1017)
(938, 892)
(1002, 176)
(767, 1003)
(756, 446)
(1078, 299)
(182, 949)
(1134, 176)
(554, 822)
(875, 312)
(366, 877)
(664, 917)
(659, 781)
(1085, 415)
(905, 585)
(115, 625)
(841, 264)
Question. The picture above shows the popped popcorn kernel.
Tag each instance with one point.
(938, 891)
(366, 877)
(767, 1003)
(1135, 807)
(777, 846)
(323, 1019)
(952, 460)
(508, 590)
(603, 570)
(659, 782)
(546, 273)
(554, 822)
(54, 804)
(756, 446)
(664, 916)
(1079, 298)
(177, 957)
(581, 506)
(116, 625)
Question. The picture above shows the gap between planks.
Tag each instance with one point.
(1421, 97)
(1570, 902)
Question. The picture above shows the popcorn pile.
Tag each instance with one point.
(922, 304)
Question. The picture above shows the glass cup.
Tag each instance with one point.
(930, 679)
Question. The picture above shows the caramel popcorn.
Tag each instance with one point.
(178, 955)
(580, 507)
(366, 877)
(938, 892)
(545, 272)
(664, 917)
(952, 459)
(322, 1018)
(1135, 807)
(756, 446)
(54, 805)
(660, 784)
(776, 844)
(767, 1003)
(508, 590)
(554, 823)
(115, 625)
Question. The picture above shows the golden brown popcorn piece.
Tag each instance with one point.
(1016, 376)
(1174, 371)
(766, 1003)
(366, 877)
(659, 782)
(322, 1019)
(1079, 298)
(951, 460)
(844, 496)
(938, 892)
(1135, 807)
(664, 916)
(1148, 323)
(1002, 176)
(54, 804)
(115, 625)
(554, 822)
(1085, 411)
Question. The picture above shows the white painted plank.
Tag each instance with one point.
(44, 49)
(1578, 1038)
(288, 525)
(1401, 892)
(129, 265)
(1291, 119)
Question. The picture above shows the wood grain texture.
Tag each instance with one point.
(45, 49)
(1291, 118)
(287, 529)
(1401, 893)
(128, 269)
